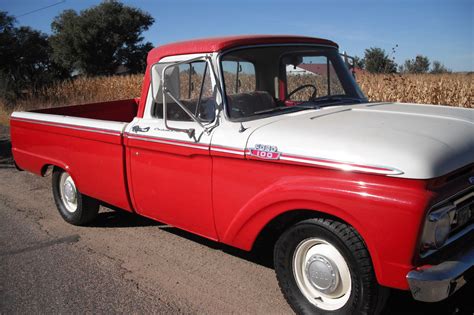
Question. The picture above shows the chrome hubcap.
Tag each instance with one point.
(68, 192)
(322, 274)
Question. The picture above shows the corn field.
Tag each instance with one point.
(444, 89)
(439, 89)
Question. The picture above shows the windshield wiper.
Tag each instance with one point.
(332, 100)
(273, 109)
(313, 104)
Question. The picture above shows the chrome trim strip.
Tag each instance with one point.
(453, 196)
(69, 126)
(166, 141)
(458, 201)
(229, 150)
(345, 166)
(342, 165)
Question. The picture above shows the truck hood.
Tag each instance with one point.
(402, 140)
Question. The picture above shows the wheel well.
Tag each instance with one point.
(47, 169)
(266, 239)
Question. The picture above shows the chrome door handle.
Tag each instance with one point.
(137, 129)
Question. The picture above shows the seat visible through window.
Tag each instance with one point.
(246, 104)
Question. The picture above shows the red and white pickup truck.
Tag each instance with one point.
(268, 140)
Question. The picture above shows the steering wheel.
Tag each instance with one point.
(305, 86)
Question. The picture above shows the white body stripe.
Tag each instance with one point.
(101, 126)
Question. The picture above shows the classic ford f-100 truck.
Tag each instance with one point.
(268, 140)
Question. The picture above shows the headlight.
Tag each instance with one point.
(437, 228)
(442, 229)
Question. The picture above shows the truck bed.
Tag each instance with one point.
(120, 111)
(86, 140)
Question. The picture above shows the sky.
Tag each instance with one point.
(443, 30)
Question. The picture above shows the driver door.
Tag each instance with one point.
(169, 161)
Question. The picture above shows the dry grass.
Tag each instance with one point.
(446, 89)
(86, 90)
(4, 115)
(439, 89)
(78, 91)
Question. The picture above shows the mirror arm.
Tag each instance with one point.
(187, 111)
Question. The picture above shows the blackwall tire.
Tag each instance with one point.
(323, 267)
(74, 207)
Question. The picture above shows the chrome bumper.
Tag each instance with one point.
(436, 283)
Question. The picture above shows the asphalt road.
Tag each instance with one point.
(124, 263)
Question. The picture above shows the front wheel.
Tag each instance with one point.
(74, 207)
(323, 267)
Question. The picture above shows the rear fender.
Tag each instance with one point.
(38, 164)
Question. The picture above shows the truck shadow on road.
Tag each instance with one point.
(399, 302)
(6, 159)
(122, 219)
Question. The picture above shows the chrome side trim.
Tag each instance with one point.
(166, 141)
(229, 150)
(334, 164)
(463, 198)
(341, 165)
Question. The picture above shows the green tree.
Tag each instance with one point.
(97, 40)
(421, 64)
(376, 60)
(25, 62)
(437, 68)
(6, 23)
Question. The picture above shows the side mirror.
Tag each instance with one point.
(163, 89)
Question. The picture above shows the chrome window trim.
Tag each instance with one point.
(221, 73)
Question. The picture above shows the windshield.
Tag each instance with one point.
(265, 81)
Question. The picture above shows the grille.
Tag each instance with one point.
(463, 214)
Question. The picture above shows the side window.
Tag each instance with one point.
(239, 77)
(190, 84)
(317, 72)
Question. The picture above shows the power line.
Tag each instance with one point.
(42, 8)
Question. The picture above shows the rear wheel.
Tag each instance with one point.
(323, 267)
(74, 207)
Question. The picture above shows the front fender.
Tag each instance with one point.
(386, 213)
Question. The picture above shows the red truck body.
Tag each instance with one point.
(222, 193)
